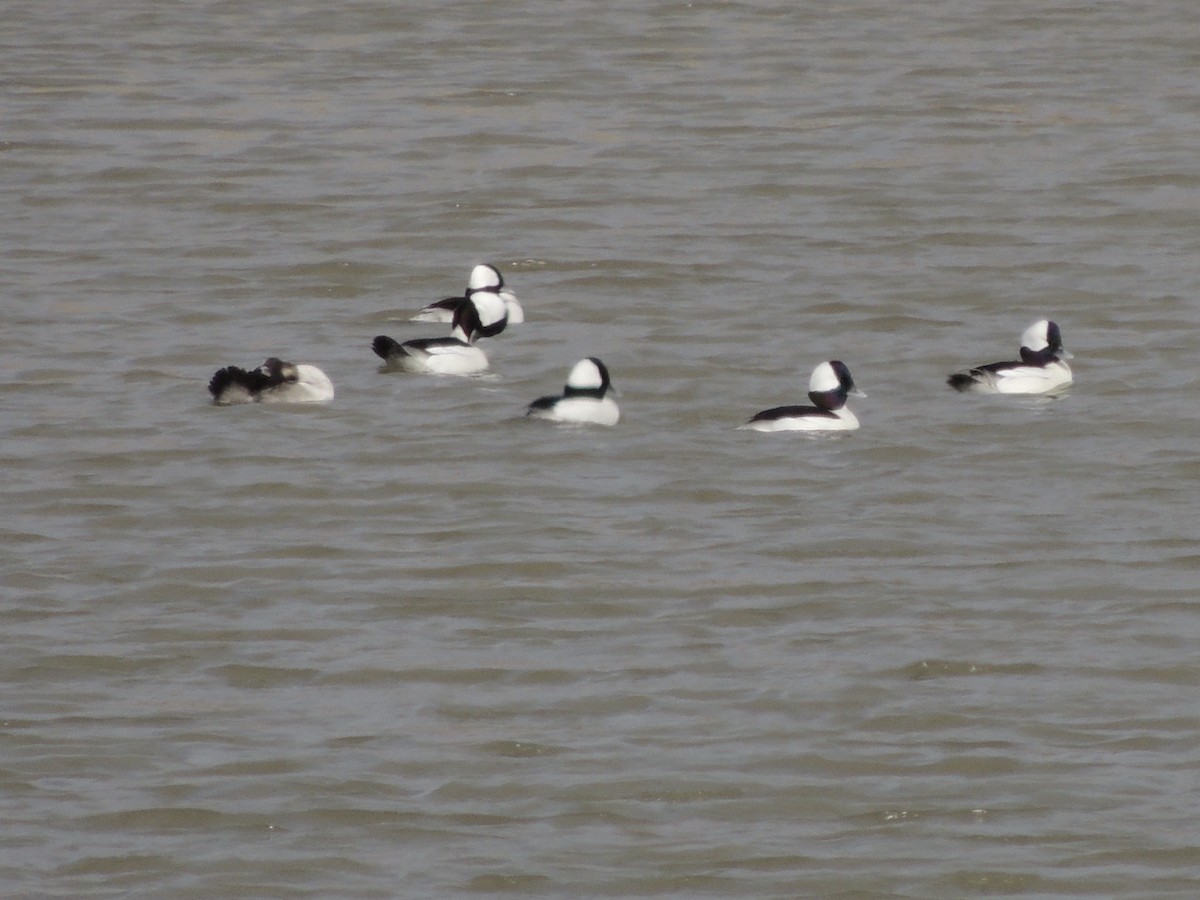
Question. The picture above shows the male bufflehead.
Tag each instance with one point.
(585, 398)
(828, 388)
(453, 355)
(1040, 370)
(275, 381)
(484, 279)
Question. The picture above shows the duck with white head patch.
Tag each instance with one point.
(1040, 370)
(485, 279)
(586, 399)
(275, 381)
(828, 389)
(453, 355)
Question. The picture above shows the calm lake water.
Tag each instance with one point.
(411, 644)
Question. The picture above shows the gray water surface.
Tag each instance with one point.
(411, 644)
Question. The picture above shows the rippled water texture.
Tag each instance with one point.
(411, 644)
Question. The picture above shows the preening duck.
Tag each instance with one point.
(275, 381)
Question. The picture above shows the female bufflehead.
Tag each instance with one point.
(1040, 370)
(453, 355)
(828, 388)
(484, 279)
(275, 381)
(584, 400)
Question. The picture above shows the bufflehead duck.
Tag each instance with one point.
(1040, 370)
(585, 398)
(484, 279)
(453, 355)
(828, 388)
(275, 381)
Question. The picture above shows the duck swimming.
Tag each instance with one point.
(1040, 370)
(586, 397)
(828, 388)
(452, 355)
(484, 279)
